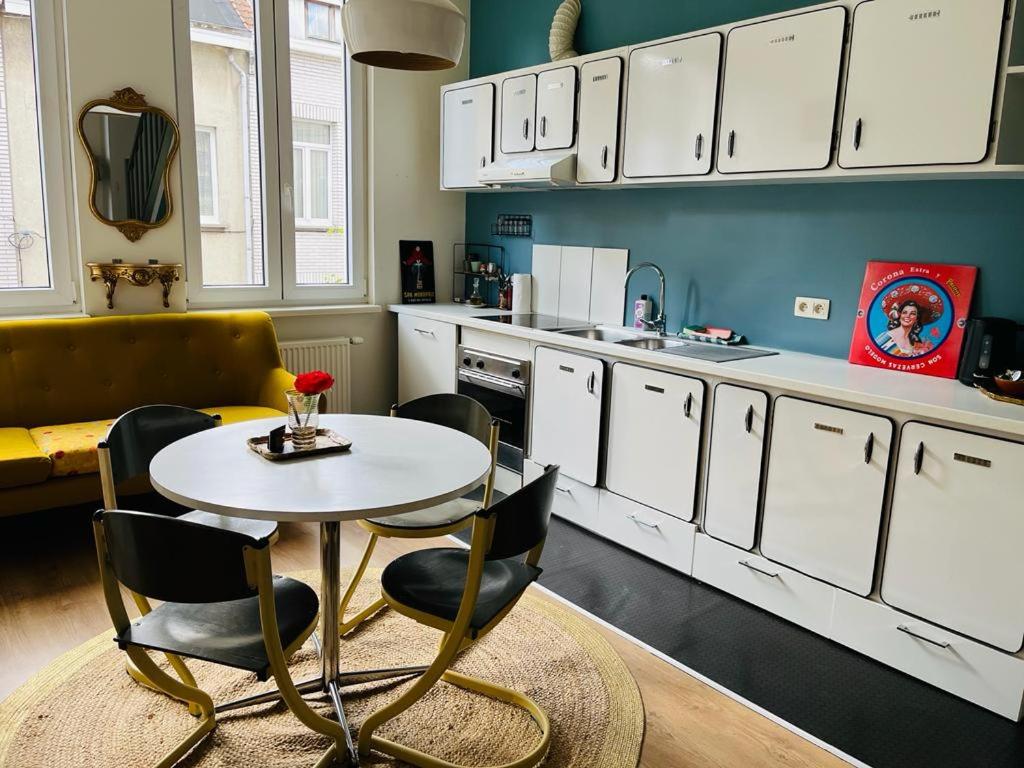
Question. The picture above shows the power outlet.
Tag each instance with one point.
(813, 309)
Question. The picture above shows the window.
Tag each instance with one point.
(323, 21)
(35, 264)
(206, 167)
(277, 163)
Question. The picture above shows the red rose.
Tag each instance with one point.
(313, 382)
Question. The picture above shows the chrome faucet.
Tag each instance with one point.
(658, 323)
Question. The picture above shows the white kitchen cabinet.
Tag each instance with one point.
(426, 357)
(973, 671)
(556, 108)
(823, 498)
(652, 533)
(956, 534)
(566, 413)
(654, 428)
(597, 151)
(518, 112)
(467, 141)
(573, 501)
(671, 98)
(780, 92)
(738, 427)
(921, 82)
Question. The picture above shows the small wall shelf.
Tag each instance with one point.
(513, 225)
(139, 275)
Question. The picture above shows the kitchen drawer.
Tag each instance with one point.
(786, 593)
(574, 501)
(652, 533)
(496, 343)
(989, 678)
(426, 357)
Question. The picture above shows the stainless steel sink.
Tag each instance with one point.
(653, 342)
(600, 334)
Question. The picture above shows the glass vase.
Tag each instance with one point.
(303, 419)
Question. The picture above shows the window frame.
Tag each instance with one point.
(274, 44)
(62, 296)
(333, 21)
(213, 219)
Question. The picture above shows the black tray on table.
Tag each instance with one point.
(327, 441)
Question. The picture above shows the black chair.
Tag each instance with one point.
(457, 412)
(126, 452)
(465, 594)
(221, 605)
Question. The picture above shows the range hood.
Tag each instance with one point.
(530, 171)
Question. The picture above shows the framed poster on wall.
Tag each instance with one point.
(417, 267)
(911, 317)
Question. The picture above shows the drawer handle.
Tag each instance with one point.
(858, 132)
(526, 128)
(688, 405)
(640, 521)
(698, 151)
(937, 643)
(748, 420)
(423, 332)
(732, 143)
(918, 458)
(604, 157)
(755, 569)
(544, 126)
(591, 382)
(869, 448)
(656, 390)
(566, 491)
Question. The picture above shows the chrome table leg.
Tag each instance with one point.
(332, 689)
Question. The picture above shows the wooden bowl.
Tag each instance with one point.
(1011, 388)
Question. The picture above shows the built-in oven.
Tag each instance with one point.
(502, 385)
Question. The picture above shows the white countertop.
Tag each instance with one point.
(827, 377)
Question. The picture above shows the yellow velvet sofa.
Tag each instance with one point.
(62, 382)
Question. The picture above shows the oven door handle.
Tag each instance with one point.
(493, 383)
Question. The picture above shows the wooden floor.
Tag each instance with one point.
(50, 601)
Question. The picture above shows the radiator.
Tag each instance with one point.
(331, 355)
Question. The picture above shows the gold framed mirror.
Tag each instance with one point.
(130, 146)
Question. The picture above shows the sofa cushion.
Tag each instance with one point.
(232, 414)
(72, 447)
(21, 460)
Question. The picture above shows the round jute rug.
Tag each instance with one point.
(84, 710)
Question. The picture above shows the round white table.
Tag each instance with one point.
(395, 465)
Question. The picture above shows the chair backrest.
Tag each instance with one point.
(457, 412)
(139, 435)
(176, 560)
(522, 517)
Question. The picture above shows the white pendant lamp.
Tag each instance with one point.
(416, 35)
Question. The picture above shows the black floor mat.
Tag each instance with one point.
(869, 711)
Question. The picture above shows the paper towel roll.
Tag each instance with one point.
(522, 293)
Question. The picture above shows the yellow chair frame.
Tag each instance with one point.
(457, 637)
(260, 577)
(391, 532)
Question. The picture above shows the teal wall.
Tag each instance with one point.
(737, 256)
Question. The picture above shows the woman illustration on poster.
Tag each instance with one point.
(909, 308)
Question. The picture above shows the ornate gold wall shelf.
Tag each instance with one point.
(135, 274)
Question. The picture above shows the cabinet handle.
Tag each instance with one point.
(604, 157)
(483, 161)
(732, 143)
(566, 491)
(858, 131)
(918, 458)
(566, 369)
(755, 569)
(912, 633)
(748, 420)
(423, 332)
(544, 126)
(699, 150)
(640, 521)
(526, 128)
(688, 405)
(869, 448)
(591, 382)
(656, 390)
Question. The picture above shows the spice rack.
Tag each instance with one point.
(513, 225)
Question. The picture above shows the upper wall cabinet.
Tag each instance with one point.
(780, 93)
(921, 82)
(518, 110)
(467, 135)
(556, 108)
(671, 98)
(600, 89)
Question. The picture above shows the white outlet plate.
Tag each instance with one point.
(813, 309)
